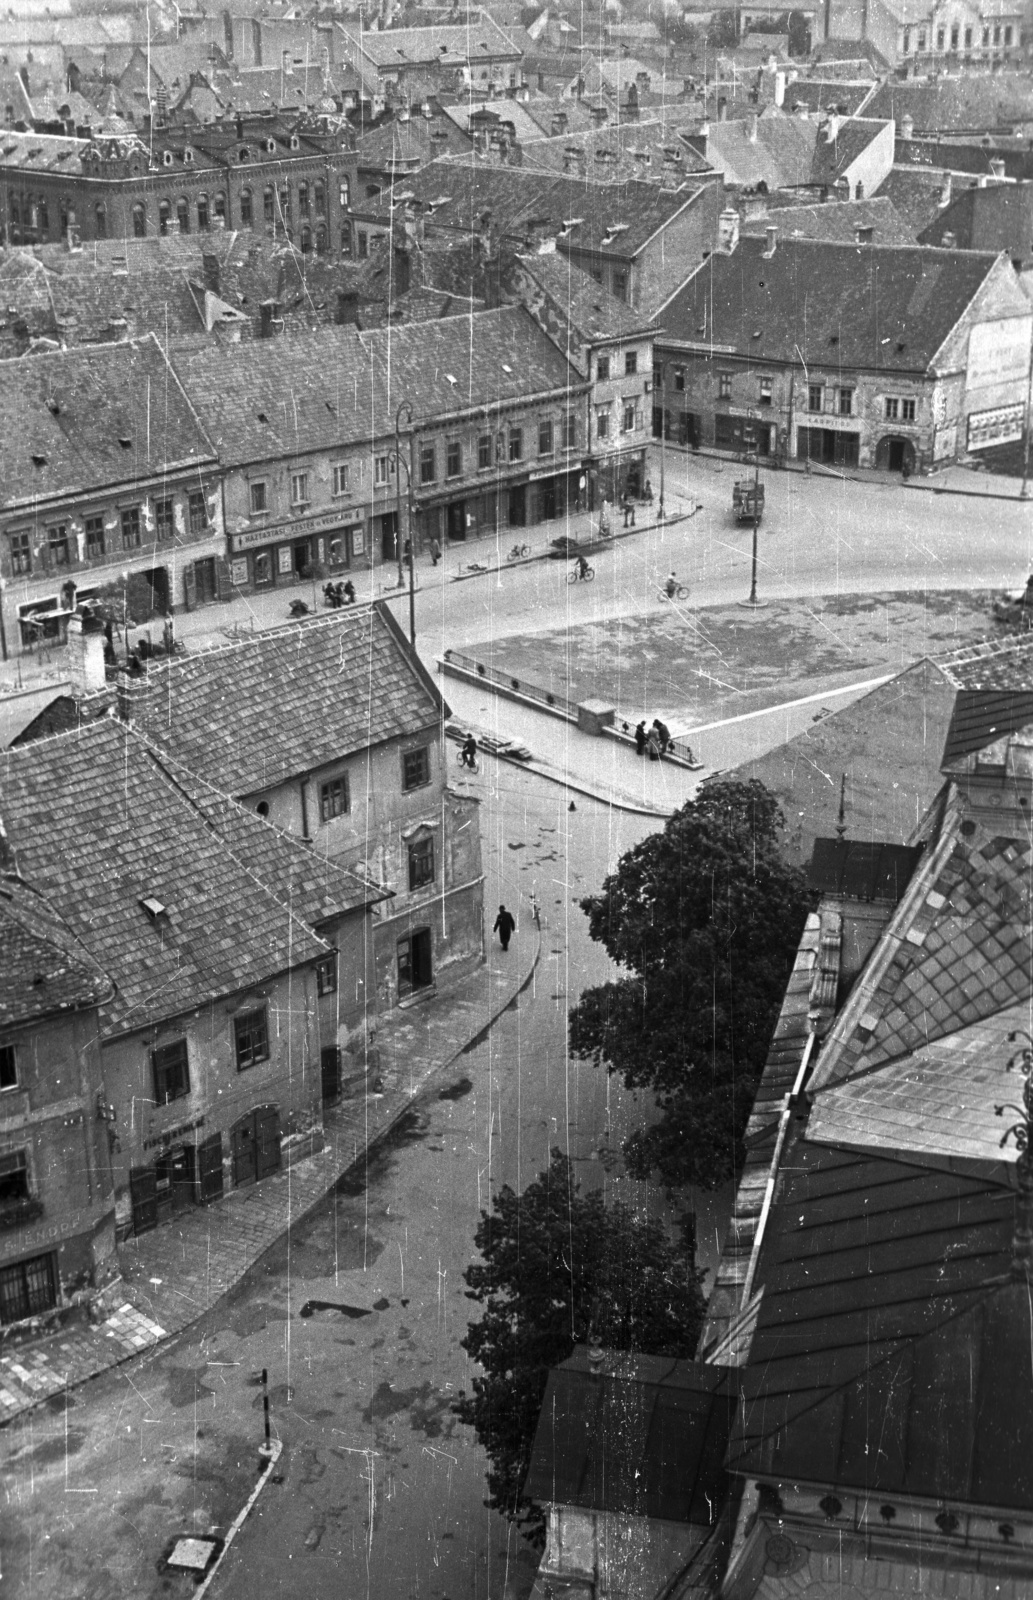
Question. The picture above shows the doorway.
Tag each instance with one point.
(302, 557)
(255, 1141)
(330, 1073)
(547, 499)
(388, 535)
(415, 968)
(204, 581)
(518, 506)
(455, 521)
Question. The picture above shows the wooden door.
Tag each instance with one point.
(244, 1151)
(143, 1190)
(267, 1141)
(209, 1169)
(330, 1067)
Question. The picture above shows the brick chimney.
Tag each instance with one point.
(347, 307)
(771, 240)
(85, 660)
(210, 268)
(751, 128)
(727, 232)
(269, 314)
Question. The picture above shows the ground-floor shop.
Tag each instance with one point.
(280, 557)
(834, 447)
(478, 513)
(53, 1264)
(614, 476)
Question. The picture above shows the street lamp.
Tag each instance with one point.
(660, 512)
(406, 407)
(3, 630)
(400, 461)
(753, 603)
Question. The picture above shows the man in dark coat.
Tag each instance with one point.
(505, 927)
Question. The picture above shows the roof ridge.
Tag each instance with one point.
(310, 624)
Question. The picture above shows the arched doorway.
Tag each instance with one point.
(895, 454)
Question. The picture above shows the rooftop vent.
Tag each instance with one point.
(262, 417)
(125, 441)
(53, 407)
(39, 461)
(154, 908)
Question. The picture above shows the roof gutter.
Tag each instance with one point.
(116, 486)
(769, 1190)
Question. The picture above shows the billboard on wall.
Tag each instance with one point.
(1000, 425)
(998, 352)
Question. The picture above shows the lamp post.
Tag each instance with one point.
(407, 408)
(3, 629)
(753, 603)
(400, 461)
(807, 381)
(660, 511)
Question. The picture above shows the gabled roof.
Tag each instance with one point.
(834, 221)
(999, 217)
(121, 825)
(446, 46)
(646, 1438)
(964, 103)
(982, 717)
(339, 683)
(593, 311)
(881, 307)
(41, 152)
(98, 415)
(44, 968)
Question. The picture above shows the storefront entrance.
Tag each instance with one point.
(255, 1143)
(518, 506)
(264, 574)
(205, 587)
(388, 535)
(742, 433)
(831, 446)
(547, 500)
(302, 557)
(455, 520)
(415, 967)
(893, 454)
(330, 1074)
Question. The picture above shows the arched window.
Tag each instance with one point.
(321, 240)
(203, 219)
(306, 239)
(139, 221)
(246, 215)
(320, 198)
(43, 216)
(164, 217)
(285, 205)
(183, 213)
(220, 205)
(244, 153)
(269, 204)
(345, 194)
(302, 199)
(100, 220)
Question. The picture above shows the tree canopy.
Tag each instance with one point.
(704, 918)
(556, 1265)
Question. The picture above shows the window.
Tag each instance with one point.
(421, 863)
(94, 528)
(679, 379)
(197, 510)
(163, 523)
(724, 385)
(362, 244)
(907, 42)
(1007, 34)
(516, 444)
(630, 363)
(545, 438)
(57, 545)
(630, 417)
(251, 1032)
(101, 219)
(428, 464)
(285, 205)
(8, 1068)
(303, 202)
(954, 37)
(968, 38)
(940, 37)
(892, 410)
(997, 35)
(569, 431)
(164, 217)
(765, 391)
(139, 222)
(259, 501)
(381, 471)
(484, 451)
(602, 423)
(815, 396)
(846, 402)
(345, 194)
(921, 39)
(203, 217)
(27, 1288)
(340, 478)
(269, 204)
(907, 411)
(183, 214)
(220, 204)
(131, 528)
(247, 215)
(415, 774)
(602, 368)
(620, 285)
(171, 1073)
(326, 974)
(320, 198)
(299, 488)
(333, 798)
(453, 458)
(14, 1178)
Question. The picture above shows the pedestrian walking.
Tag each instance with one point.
(640, 737)
(505, 927)
(435, 551)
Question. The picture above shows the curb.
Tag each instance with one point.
(875, 481)
(603, 797)
(550, 554)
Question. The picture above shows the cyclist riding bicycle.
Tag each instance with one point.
(468, 755)
(671, 586)
(581, 567)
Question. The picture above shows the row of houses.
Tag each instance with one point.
(205, 911)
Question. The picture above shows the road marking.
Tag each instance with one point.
(789, 705)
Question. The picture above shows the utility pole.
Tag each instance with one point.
(753, 603)
(403, 406)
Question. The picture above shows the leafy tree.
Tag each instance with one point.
(704, 918)
(556, 1265)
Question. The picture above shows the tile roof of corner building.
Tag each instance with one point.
(122, 825)
(984, 717)
(64, 418)
(835, 221)
(447, 45)
(593, 311)
(915, 193)
(41, 152)
(458, 191)
(955, 952)
(999, 217)
(936, 1104)
(44, 968)
(339, 684)
(618, 152)
(892, 1352)
(970, 102)
(882, 307)
(339, 385)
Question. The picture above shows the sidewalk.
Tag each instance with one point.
(174, 1274)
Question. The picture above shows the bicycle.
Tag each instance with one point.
(575, 575)
(518, 552)
(471, 766)
(679, 592)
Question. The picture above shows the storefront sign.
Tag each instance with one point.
(999, 426)
(250, 537)
(238, 571)
(170, 1134)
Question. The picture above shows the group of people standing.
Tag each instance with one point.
(654, 741)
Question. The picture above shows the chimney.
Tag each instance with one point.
(269, 312)
(210, 267)
(559, 124)
(288, 63)
(780, 88)
(722, 109)
(865, 235)
(85, 655)
(347, 307)
(803, 111)
(945, 192)
(770, 236)
(727, 232)
(997, 168)
(980, 181)
(600, 115)
(907, 126)
(751, 128)
(832, 128)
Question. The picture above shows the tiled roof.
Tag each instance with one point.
(395, 47)
(982, 717)
(41, 152)
(914, 193)
(1004, 662)
(82, 419)
(594, 312)
(999, 217)
(18, 711)
(339, 684)
(650, 152)
(835, 221)
(119, 827)
(646, 1438)
(967, 102)
(43, 967)
(825, 94)
(780, 155)
(80, 300)
(881, 307)
(337, 386)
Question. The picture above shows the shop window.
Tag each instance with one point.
(320, 196)
(197, 510)
(454, 459)
(57, 545)
(27, 1288)
(630, 363)
(630, 418)
(259, 498)
(381, 471)
(131, 528)
(340, 478)
(421, 863)
(602, 368)
(246, 212)
(251, 1034)
(764, 395)
(326, 974)
(428, 464)
(484, 451)
(8, 1067)
(815, 396)
(892, 409)
(14, 1178)
(846, 402)
(516, 444)
(94, 529)
(163, 518)
(183, 214)
(724, 385)
(203, 216)
(602, 423)
(171, 1072)
(333, 799)
(415, 773)
(569, 431)
(269, 204)
(299, 489)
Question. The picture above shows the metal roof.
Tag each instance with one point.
(862, 869)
